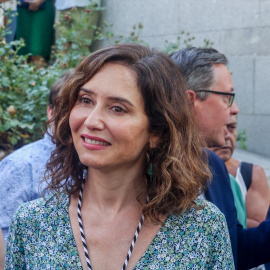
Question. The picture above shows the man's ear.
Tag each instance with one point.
(191, 96)
(49, 112)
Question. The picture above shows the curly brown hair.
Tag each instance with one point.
(179, 162)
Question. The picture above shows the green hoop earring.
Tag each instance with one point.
(150, 171)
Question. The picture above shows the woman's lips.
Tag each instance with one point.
(94, 143)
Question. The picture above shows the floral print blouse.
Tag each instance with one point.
(41, 238)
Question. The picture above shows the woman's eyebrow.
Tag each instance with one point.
(87, 91)
(118, 99)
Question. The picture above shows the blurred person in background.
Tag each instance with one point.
(35, 25)
(211, 92)
(251, 178)
(249, 184)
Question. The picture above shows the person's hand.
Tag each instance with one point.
(34, 4)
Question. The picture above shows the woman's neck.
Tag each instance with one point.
(112, 192)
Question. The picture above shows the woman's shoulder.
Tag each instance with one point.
(198, 236)
(41, 235)
(207, 206)
(204, 222)
(39, 215)
(204, 212)
(208, 210)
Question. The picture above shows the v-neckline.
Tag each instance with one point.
(65, 203)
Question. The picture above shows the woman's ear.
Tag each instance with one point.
(153, 141)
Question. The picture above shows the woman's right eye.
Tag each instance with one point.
(85, 100)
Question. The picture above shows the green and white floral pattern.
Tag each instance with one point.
(41, 238)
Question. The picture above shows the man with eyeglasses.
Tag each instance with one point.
(210, 90)
(228, 97)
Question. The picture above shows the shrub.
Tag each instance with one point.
(23, 96)
(24, 88)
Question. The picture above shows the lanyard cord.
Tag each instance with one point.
(84, 241)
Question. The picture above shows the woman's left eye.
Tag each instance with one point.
(118, 109)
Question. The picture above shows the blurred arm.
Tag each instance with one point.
(258, 197)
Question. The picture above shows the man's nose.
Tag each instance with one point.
(234, 110)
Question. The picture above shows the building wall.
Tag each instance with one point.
(238, 28)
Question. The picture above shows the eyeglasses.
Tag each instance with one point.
(231, 95)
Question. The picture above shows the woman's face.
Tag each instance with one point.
(108, 123)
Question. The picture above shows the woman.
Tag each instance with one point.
(35, 26)
(127, 153)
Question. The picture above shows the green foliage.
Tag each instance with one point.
(23, 96)
(133, 37)
(183, 41)
(208, 43)
(24, 88)
(72, 45)
(242, 138)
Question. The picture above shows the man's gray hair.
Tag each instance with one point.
(197, 67)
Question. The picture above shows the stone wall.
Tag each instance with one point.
(239, 28)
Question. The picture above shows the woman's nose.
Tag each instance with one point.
(95, 119)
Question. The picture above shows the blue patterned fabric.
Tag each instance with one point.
(20, 174)
(41, 238)
(65, 4)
